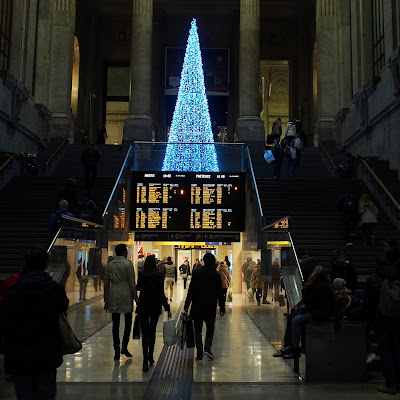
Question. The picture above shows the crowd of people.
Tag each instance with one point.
(333, 297)
(289, 146)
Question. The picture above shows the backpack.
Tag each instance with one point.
(389, 299)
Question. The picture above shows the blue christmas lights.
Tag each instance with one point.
(191, 145)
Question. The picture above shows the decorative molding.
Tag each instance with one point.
(63, 12)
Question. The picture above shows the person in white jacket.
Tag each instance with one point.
(368, 219)
(290, 132)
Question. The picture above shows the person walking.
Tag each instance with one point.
(205, 290)
(276, 131)
(171, 277)
(151, 299)
(29, 327)
(161, 267)
(347, 205)
(278, 152)
(290, 132)
(293, 155)
(184, 271)
(368, 219)
(257, 283)
(119, 294)
(276, 279)
(140, 263)
(225, 277)
(90, 158)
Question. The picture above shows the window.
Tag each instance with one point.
(5, 33)
(378, 37)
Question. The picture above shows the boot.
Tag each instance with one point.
(151, 356)
(124, 350)
(117, 353)
(145, 366)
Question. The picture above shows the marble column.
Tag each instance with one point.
(139, 124)
(250, 127)
(327, 68)
(62, 17)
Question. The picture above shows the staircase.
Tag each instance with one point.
(27, 202)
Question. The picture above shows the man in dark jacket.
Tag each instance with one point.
(343, 268)
(278, 153)
(348, 206)
(205, 290)
(318, 306)
(387, 330)
(29, 326)
(55, 222)
(307, 264)
(90, 158)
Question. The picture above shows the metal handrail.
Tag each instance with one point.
(58, 149)
(254, 182)
(275, 222)
(379, 182)
(177, 143)
(327, 155)
(9, 159)
(295, 255)
(117, 181)
(81, 221)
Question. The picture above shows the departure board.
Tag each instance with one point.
(188, 201)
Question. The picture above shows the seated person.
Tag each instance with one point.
(318, 306)
(343, 268)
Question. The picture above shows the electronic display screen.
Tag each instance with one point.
(188, 201)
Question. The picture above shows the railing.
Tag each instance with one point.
(328, 156)
(123, 169)
(7, 162)
(75, 258)
(149, 156)
(270, 225)
(55, 153)
(381, 193)
(254, 182)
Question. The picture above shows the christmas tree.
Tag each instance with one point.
(191, 145)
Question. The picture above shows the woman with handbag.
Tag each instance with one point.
(184, 270)
(225, 277)
(151, 299)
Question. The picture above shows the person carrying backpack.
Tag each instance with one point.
(382, 308)
(55, 221)
(348, 206)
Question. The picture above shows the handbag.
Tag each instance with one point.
(69, 343)
(229, 295)
(189, 333)
(184, 276)
(180, 333)
(169, 333)
(136, 328)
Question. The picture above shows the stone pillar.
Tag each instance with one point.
(62, 14)
(139, 124)
(327, 68)
(250, 127)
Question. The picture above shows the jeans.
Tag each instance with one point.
(37, 387)
(297, 323)
(276, 286)
(368, 233)
(184, 282)
(292, 168)
(350, 225)
(169, 283)
(198, 326)
(387, 333)
(276, 167)
(148, 325)
(288, 333)
(127, 330)
(265, 291)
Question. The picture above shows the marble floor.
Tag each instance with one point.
(243, 366)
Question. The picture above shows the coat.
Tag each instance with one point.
(319, 299)
(152, 297)
(119, 286)
(368, 216)
(225, 277)
(205, 291)
(256, 279)
(29, 318)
